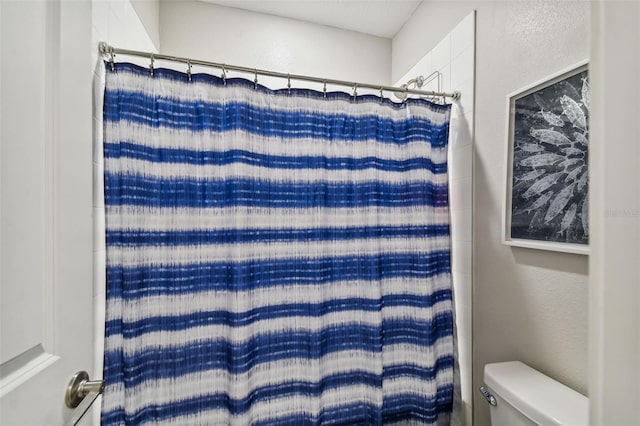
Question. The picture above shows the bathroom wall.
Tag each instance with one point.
(454, 58)
(117, 23)
(527, 304)
(223, 34)
(149, 13)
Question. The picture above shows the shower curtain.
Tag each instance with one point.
(274, 257)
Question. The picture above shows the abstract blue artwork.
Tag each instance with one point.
(549, 161)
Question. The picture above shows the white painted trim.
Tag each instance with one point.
(28, 371)
(614, 266)
(543, 245)
(51, 95)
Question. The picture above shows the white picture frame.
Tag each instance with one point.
(545, 203)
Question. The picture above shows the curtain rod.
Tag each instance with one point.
(106, 49)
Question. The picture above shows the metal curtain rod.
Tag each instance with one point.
(105, 49)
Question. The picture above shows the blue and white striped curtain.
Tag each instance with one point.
(274, 257)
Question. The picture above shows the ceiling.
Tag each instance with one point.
(382, 18)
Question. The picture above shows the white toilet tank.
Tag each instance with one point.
(526, 397)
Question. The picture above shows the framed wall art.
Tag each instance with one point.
(547, 184)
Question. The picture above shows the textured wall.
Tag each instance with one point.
(528, 304)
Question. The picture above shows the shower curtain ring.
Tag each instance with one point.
(189, 69)
(289, 83)
(111, 60)
(224, 74)
(381, 96)
(355, 91)
(324, 89)
(255, 79)
(151, 65)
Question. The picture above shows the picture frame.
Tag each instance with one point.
(546, 187)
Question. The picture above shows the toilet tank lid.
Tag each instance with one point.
(539, 397)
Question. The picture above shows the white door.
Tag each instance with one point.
(46, 312)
